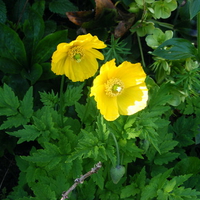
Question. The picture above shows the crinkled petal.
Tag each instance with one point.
(79, 71)
(133, 99)
(58, 66)
(107, 105)
(94, 53)
(130, 74)
(88, 41)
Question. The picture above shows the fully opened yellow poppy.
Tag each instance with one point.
(78, 59)
(120, 90)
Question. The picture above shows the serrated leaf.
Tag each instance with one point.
(9, 103)
(99, 179)
(11, 46)
(62, 6)
(73, 94)
(128, 191)
(44, 191)
(3, 12)
(189, 165)
(87, 147)
(49, 157)
(165, 158)
(26, 105)
(49, 99)
(14, 121)
(29, 133)
(87, 113)
(47, 46)
(175, 49)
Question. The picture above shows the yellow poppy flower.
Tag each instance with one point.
(78, 59)
(120, 90)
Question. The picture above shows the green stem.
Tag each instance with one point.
(141, 52)
(117, 149)
(198, 36)
(62, 99)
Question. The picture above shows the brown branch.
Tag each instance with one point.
(81, 180)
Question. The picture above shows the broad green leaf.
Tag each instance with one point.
(3, 12)
(9, 66)
(62, 6)
(39, 6)
(9, 103)
(33, 74)
(11, 46)
(47, 46)
(194, 8)
(33, 29)
(175, 49)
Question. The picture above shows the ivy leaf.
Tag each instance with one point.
(175, 49)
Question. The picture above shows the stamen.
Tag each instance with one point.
(114, 87)
(76, 53)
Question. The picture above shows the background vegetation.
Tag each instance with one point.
(158, 147)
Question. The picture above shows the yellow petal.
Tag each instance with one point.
(130, 74)
(88, 41)
(79, 71)
(58, 67)
(107, 106)
(94, 53)
(133, 99)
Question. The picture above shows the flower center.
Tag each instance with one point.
(76, 53)
(114, 87)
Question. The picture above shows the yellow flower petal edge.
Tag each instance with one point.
(120, 90)
(78, 59)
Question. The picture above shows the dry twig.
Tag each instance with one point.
(81, 180)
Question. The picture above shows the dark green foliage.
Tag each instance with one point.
(53, 141)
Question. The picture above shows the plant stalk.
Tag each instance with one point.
(198, 37)
(117, 149)
(141, 52)
(62, 100)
